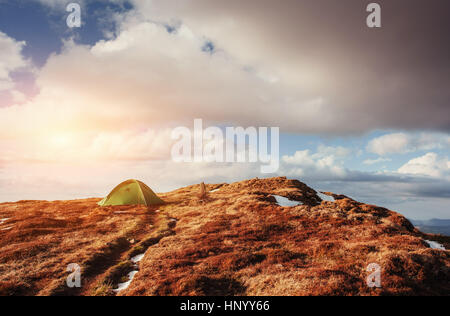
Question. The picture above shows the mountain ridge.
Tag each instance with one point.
(234, 240)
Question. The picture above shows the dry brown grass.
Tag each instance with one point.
(236, 241)
(47, 236)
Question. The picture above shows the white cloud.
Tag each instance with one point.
(149, 74)
(11, 60)
(146, 78)
(326, 163)
(401, 143)
(70, 147)
(298, 43)
(132, 146)
(59, 4)
(340, 152)
(430, 164)
(62, 4)
(389, 144)
(376, 161)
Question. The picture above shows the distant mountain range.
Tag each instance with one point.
(433, 226)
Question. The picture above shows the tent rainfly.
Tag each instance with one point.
(131, 192)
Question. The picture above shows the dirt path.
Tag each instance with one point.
(115, 268)
(111, 255)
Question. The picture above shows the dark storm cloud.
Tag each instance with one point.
(437, 189)
(413, 186)
(393, 77)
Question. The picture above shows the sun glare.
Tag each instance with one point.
(60, 140)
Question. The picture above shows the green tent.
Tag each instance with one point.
(131, 192)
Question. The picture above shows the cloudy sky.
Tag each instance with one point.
(363, 112)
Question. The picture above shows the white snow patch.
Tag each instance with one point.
(157, 211)
(138, 258)
(435, 245)
(3, 220)
(326, 197)
(124, 286)
(173, 220)
(214, 190)
(7, 228)
(284, 202)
